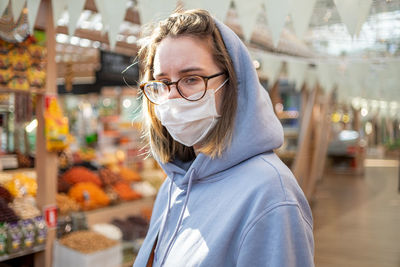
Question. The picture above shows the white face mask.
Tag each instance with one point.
(188, 122)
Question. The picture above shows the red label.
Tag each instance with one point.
(50, 215)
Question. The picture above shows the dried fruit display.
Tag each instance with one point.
(21, 185)
(125, 192)
(25, 207)
(129, 175)
(7, 214)
(62, 185)
(80, 175)
(66, 204)
(87, 241)
(108, 177)
(88, 195)
(5, 194)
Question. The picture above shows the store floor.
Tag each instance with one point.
(357, 219)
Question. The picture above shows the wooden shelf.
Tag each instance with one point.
(287, 154)
(22, 253)
(30, 91)
(120, 211)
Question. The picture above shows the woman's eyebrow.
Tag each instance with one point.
(183, 71)
(190, 70)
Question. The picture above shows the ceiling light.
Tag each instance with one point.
(364, 112)
(96, 44)
(74, 40)
(62, 38)
(98, 26)
(131, 39)
(84, 42)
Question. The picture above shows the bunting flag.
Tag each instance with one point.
(326, 75)
(58, 7)
(116, 10)
(389, 81)
(297, 72)
(100, 10)
(374, 81)
(33, 7)
(155, 10)
(271, 66)
(277, 10)
(342, 92)
(358, 71)
(247, 14)
(219, 8)
(3, 6)
(75, 8)
(344, 88)
(366, 6)
(353, 13)
(311, 78)
(301, 12)
(16, 7)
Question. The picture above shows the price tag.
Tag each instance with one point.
(50, 215)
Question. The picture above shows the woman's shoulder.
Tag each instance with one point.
(266, 177)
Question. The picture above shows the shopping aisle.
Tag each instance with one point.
(357, 219)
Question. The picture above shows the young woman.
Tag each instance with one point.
(228, 199)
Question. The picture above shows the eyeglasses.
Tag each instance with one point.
(191, 88)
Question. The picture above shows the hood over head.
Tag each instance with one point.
(257, 129)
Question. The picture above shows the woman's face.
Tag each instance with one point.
(181, 56)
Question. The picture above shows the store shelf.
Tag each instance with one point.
(287, 154)
(30, 91)
(291, 132)
(22, 253)
(120, 211)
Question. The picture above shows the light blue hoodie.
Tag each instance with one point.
(244, 209)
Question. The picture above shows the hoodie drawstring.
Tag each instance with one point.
(172, 240)
(162, 228)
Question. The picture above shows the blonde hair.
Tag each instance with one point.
(199, 24)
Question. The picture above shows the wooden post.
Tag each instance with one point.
(46, 162)
(304, 100)
(274, 94)
(321, 142)
(301, 164)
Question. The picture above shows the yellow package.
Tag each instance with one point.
(21, 185)
(56, 126)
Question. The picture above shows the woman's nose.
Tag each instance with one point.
(173, 92)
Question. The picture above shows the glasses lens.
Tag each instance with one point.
(192, 87)
(157, 92)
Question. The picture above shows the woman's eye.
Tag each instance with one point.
(191, 80)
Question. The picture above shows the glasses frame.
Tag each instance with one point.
(168, 84)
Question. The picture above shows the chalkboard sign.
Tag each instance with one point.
(110, 74)
(112, 65)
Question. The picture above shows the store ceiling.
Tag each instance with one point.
(327, 35)
(380, 34)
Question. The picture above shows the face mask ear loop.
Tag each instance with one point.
(219, 87)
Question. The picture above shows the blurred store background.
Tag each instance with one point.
(74, 169)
